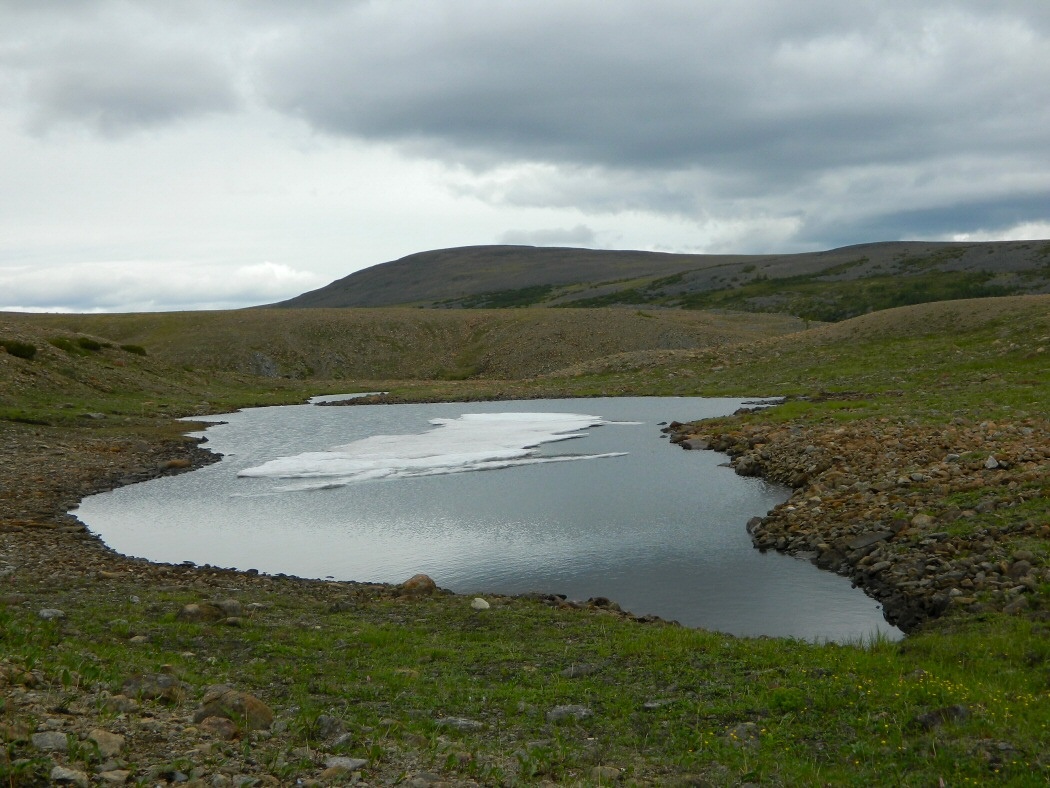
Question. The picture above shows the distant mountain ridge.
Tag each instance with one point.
(829, 285)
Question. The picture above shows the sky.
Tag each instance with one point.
(209, 155)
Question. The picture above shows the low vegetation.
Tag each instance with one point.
(529, 690)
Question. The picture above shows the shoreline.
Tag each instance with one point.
(876, 502)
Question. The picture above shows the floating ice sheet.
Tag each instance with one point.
(472, 442)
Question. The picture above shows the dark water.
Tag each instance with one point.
(658, 529)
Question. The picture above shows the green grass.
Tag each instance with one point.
(665, 700)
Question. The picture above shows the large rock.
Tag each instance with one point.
(246, 710)
(419, 585)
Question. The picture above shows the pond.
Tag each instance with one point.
(579, 497)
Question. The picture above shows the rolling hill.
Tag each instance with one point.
(825, 286)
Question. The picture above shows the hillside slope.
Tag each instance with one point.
(827, 286)
(396, 344)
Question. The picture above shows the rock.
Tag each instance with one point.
(866, 540)
(109, 744)
(991, 463)
(220, 728)
(231, 607)
(120, 704)
(349, 764)
(328, 727)
(605, 774)
(50, 741)
(246, 710)
(419, 585)
(1018, 605)
(571, 711)
(155, 686)
(51, 614)
(203, 612)
(60, 775)
(695, 444)
(479, 604)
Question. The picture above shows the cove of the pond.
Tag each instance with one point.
(615, 512)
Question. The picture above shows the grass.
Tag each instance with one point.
(965, 701)
(665, 701)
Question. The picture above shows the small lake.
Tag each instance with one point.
(582, 497)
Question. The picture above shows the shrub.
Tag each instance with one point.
(89, 344)
(20, 349)
(66, 344)
(138, 350)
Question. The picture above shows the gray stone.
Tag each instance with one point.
(342, 762)
(459, 724)
(50, 741)
(866, 540)
(51, 613)
(63, 776)
(991, 463)
(109, 744)
(114, 777)
(571, 711)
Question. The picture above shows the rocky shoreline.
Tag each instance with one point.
(926, 519)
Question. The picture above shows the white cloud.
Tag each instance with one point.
(147, 286)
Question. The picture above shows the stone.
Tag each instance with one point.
(571, 711)
(479, 604)
(459, 724)
(155, 686)
(50, 741)
(991, 463)
(203, 612)
(866, 540)
(60, 775)
(220, 728)
(109, 744)
(51, 614)
(231, 607)
(419, 585)
(695, 444)
(342, 762)
(1018, 605)
(246, 710)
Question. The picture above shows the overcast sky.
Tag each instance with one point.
(159, 155)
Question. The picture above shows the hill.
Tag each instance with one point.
(826, 286)
(385, 344)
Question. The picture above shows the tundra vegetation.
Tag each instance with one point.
(388, 684)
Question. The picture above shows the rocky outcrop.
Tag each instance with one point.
(926, 519)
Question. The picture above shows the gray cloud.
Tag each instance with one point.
(112, 68)
(688, 108)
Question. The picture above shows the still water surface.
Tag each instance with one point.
(601, 506)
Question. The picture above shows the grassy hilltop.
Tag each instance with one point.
(422, 689)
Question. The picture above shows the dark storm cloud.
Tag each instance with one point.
(989, 217)
(763, 86)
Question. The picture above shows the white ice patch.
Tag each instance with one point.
(472, 442)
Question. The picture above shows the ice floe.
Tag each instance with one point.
(471, 442)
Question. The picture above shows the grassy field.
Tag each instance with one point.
(526, 693)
